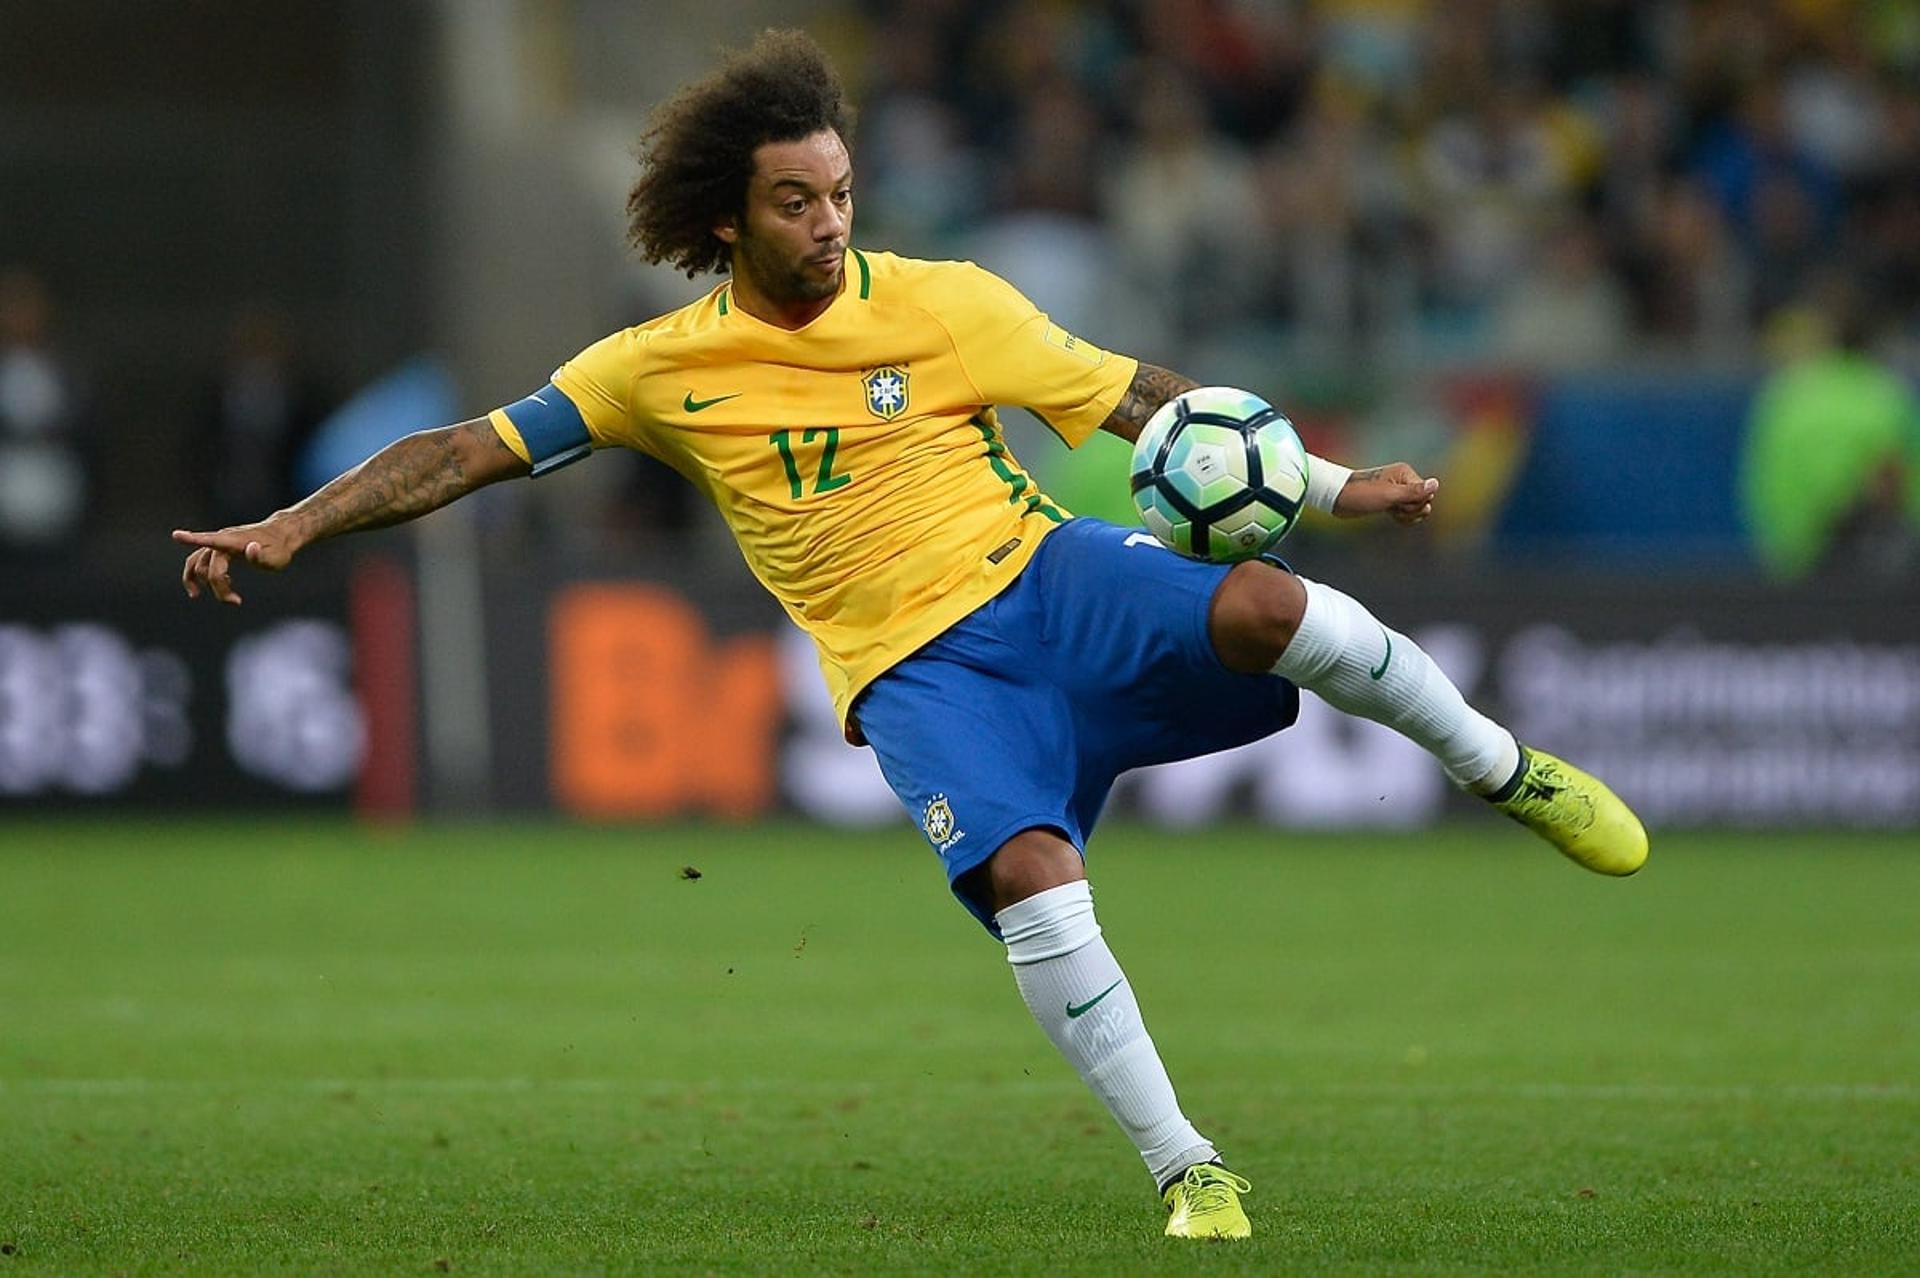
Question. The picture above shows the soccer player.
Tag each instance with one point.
(1005, 661)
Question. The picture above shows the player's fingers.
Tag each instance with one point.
(1414, 500)
(220, 578)
(190, 575)
(187, 537)
(203, 568)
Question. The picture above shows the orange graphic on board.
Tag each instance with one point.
(653, 718)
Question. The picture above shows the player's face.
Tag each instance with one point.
(793, 238)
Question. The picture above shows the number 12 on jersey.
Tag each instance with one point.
(824, 480)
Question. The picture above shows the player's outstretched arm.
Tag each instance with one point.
(402, 481)
(1396, 489)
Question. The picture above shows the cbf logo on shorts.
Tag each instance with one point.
(886, 391)
(939, 824)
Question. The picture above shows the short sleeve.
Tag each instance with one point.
(585, 406)
(1013, 354)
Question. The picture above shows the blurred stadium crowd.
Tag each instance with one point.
(1556, 184)
(1402, 217)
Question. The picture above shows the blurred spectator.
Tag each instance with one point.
(1830, 478)
(1789, 239)
(1887, 231)
(1750, 159)
(1832, 105)
(43, 475)
(1180, 200)
(1248, 63)
(1587, 42)
(1052, 165)
(1567, 311)
(1690, 280)
(1046, 237)
(1639, 120)
(917, 173)
(1372, 45)
(1493, 175)
(262, 408)
(1325, 242)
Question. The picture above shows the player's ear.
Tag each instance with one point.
(727, 230)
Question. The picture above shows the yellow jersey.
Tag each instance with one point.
(858, 459)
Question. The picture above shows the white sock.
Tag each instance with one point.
(1344, 655)
(1076, 990)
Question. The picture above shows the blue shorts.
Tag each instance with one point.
(1096, 659)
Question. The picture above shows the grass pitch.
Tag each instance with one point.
(281, 1048)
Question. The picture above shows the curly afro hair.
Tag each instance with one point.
(697, 153)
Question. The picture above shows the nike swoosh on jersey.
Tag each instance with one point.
(693, 405)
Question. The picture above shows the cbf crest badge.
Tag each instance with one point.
(886, 388)
(939, 825)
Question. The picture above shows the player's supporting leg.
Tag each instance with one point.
(1075, 989)
(1323, 640)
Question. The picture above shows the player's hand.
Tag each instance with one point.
(1396, 489)
(210, 566)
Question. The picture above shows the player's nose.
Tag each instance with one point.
(831, 226)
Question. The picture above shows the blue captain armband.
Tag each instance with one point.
(552, 429)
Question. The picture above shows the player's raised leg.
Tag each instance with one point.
(1075, 989)
(1265, 618)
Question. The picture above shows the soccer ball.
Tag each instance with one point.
(1219, 474)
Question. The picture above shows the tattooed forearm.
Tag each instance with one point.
(406, 479)
(1152, 386)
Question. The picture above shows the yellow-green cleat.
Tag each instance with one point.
(1205, 1203)
(1575, 812)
